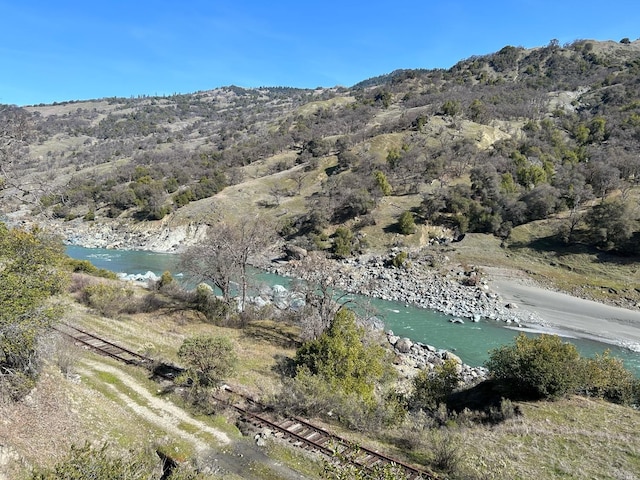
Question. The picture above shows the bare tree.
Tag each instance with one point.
(223, 257)
(253, 235)
(211, 262)
(316, 281)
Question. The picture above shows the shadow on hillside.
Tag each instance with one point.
(489, 402)
(277, 337)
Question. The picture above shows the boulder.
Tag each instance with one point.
(404, 345)
(293, 252)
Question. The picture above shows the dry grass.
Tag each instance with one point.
(575, 438)
(578, 438)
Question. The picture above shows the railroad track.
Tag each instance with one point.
(298, 431)
(304, 434)
(107, 348)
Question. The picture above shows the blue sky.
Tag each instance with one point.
(76, 50)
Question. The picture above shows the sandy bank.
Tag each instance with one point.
(561, 313)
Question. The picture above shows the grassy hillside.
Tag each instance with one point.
(535, 147)
(99, 400)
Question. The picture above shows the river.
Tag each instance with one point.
(472, 342)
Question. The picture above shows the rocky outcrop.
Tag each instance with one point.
(160, 236)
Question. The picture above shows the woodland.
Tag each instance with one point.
(494, 142)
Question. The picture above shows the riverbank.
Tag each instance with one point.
(499, 294)
(564, 314)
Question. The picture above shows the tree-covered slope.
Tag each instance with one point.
(494, 142)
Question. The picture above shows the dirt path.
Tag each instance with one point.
(159, 412)
(238, 457)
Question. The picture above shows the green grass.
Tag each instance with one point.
(534, 248)
(110, 386)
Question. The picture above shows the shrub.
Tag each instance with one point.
(400, 260)
(32, 270)
(343, 243)
(212, 307)
(406, 223)
(208, 359)
(342, 358)
(432, 387)
(89, 216)
(506, 411)
(85, 266)
(311, 395)
(544, 366)
(165, 279)
(605, 377)
(447, 454)
(108, 299)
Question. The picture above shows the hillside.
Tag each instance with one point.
(498, 144)
(82, 396)
(524, 160)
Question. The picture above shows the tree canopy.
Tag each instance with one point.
(344, 358)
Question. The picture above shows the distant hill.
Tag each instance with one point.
(494, 142)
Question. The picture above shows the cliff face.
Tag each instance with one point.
(159, 236)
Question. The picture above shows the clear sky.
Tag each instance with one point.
(58, 50)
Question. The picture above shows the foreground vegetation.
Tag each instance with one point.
(343, 377)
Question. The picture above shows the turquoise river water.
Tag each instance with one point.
(472, 342)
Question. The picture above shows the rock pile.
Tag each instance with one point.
(453, 291)
(411, 357)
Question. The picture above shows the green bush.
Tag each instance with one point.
(343, 359)
(32, 270)
(432, 387)
(165, 279)
(343, 242)
(547, 367)
(108, 299)
(400, 260)
(605, 377)
(543, 366)
(208, 359)
(311, 395)
(406, 223)
(212, 307)
(85, 266)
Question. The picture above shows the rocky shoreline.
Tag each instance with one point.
(449, 289)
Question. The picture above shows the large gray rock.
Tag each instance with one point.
(404, 345)
(293, 252)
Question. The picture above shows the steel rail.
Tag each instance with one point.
(362, 456)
